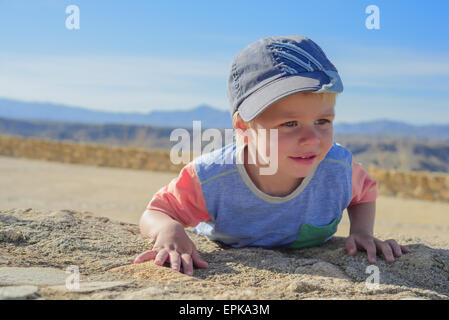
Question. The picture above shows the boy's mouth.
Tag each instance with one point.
(306, 159)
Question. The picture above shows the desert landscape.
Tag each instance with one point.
(56, 215)
(102, 103)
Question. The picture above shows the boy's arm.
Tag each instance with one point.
(152, 222)
(364, 188)
(361, 212)
(361, 217)
(173, 207)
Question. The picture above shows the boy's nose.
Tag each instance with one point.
(308, 135)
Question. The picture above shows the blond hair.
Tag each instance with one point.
(240, 140)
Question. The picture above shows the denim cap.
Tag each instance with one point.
(272, 68)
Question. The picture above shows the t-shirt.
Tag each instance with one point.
(214, 194)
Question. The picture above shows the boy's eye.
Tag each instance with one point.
(290, 124)
(323, 121)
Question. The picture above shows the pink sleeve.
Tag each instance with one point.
(364, 188)
(182, 199)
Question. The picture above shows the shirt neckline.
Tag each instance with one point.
(239, 156)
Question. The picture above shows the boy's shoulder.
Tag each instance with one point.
(215, 162)
(339, 153)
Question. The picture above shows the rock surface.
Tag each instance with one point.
(17, 292)
(42, 251)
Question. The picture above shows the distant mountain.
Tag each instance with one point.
(386, 127)
(209, 117)
(377, 126)
(150, 137)
(393, 128)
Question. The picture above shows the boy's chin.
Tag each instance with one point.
(300, 173)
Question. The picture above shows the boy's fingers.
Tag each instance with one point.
(396, 247)
(147, 255)
(198, 261)
(161, 257)
(405, 249)
(351, 247)
(175, 260)
(370, 248)
(187, 265)
(385, 248)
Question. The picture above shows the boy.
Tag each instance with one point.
(287, 87)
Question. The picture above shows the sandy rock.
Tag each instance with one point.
(18, 292)
(64, 238)
(150, 271)
(35, 243)
(92, 286)
(147, 293)
(322, 268)
(31, 276)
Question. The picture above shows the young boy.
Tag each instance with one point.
(287, 87)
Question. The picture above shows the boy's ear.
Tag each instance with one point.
(238, 123)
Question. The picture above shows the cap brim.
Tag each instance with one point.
(258, 101)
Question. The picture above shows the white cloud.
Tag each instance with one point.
(121, 83)
(388, 76)
(393, 68)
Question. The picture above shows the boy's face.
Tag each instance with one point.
(305, 126)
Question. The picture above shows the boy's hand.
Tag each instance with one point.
(173, 244)
(361, 241)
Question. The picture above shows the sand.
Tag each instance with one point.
(37, 247)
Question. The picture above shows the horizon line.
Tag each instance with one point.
(57, 104)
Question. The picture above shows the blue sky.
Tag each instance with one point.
(157, 55)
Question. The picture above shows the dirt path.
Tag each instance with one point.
(123, 194)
